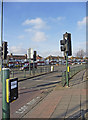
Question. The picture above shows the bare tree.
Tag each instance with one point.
(80, 53)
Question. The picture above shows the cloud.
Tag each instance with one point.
(36, 30)
(83, 22)
(51, 52)
(36, 23)
(39, 36)
(56, 19)
(31, 30)
(17, 50)
(21, 37)
(60, 18)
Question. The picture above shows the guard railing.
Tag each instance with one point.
(36, 71)
(72, 72)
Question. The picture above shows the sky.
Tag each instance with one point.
(41, 25)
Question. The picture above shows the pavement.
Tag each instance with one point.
(0, 100)
(64, 102)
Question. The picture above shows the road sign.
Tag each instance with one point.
(30, 53)
(11, 89)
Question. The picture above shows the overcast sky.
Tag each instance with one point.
(41, 25)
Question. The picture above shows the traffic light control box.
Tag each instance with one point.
(11, 89)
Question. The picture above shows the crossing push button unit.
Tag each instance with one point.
(68, 69)
(11, 89)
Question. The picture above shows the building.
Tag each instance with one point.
(54, 59)
(16, 57)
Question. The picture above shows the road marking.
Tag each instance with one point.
(25, 107)
(39, 80)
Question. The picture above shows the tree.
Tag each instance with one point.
(80, 53)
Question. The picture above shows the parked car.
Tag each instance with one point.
(10, 65)
(83, 62)
(79, 63)
(17, 65)
(26, 66)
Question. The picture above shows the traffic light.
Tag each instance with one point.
(66, 44)
(67, 37)
(62, 43)
(1, 52)
(34, 56)
(5, 52)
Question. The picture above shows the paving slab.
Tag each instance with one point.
(59, 114)
(64, 102)
(0, 100)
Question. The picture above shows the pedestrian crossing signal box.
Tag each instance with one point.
(11, 89)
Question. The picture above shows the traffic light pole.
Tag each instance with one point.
(67, 81)
(1, 61)
(5, 105)
(33, 67)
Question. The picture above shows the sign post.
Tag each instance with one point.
(30, 56)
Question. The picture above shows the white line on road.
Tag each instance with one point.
(25, 107)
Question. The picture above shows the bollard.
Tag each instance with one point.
(5, 105)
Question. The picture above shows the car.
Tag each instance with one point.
(17, 65)
(10, 65)
(83, 62)
(73, 63)
(26, 66)
(78, 63)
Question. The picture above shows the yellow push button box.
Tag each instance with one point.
(11, 89)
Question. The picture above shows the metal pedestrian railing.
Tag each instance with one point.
(36, 71)
(72, 72)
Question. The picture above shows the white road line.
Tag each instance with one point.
(25, 107)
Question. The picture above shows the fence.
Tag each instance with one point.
(72, 72)
(26, 73)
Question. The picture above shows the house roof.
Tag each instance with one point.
(17, 56)
(39, 57)
(53, 57)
